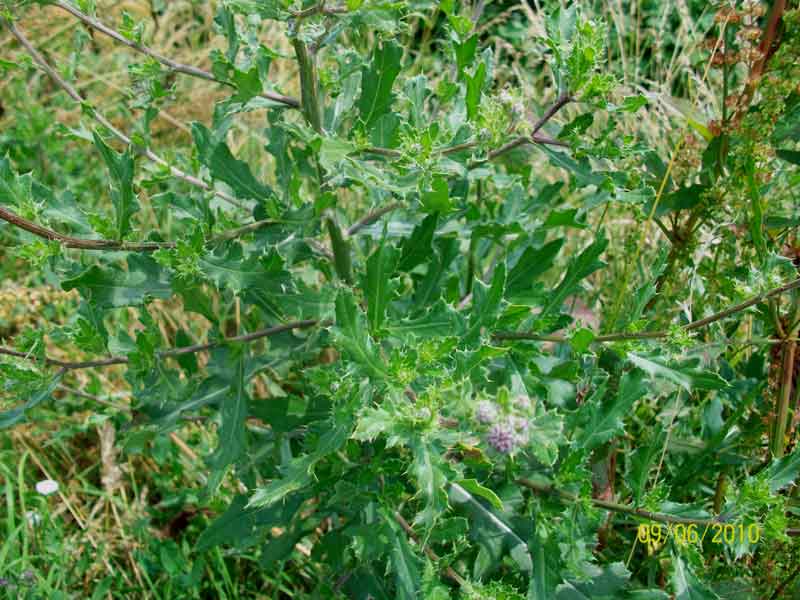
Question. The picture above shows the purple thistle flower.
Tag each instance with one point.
(502, 437)
(486, 412)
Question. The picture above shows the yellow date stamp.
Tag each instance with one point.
(691, 533)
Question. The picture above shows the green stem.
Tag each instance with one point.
(341, 251)
(719, 492)
(784, 397)
(309, 93)
(540, 488)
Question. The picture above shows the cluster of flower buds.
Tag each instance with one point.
(514, 105)
(507, 423)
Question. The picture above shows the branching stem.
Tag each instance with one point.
(643, 335)
(167, 62)
(116, 245)
(545, 489)
(121, 360)
(73, 93)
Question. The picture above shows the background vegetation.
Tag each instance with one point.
(465, 293)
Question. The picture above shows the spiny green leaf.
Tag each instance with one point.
(603, 420)
(351, 334)
(299, 473)
(474, 86)
(233, 413)
(608, 583)
(212, 390)
(579, 268)
(783, 471)
(656, 369)
(491, 531)
(476, 489)
(545, 435)
(581, 170)
(529, 266)
(111, 287)
(238, 524)
(437, 199)
(120, 165)
(216, 155)
(428, 469)
(378, 285)
(376, 82)
(486, 302)
(404, 563)
(685, 583)
(441, 320)
(417, 248)
(638, 466)
(341, 251)
(15, 189)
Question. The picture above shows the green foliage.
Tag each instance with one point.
(457, 321)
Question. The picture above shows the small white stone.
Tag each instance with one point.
(47, 487)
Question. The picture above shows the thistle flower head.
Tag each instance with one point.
(502, 437)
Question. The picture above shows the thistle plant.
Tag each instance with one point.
(361, 279)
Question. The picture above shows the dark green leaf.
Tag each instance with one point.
(486, 301)
(603, 420)
(233, 413)
(783, 471)
(686, 585)
(417, 248)
(429, 471)
(580, 267)
(238, 524)
(441, 320)
(216, 155)
(120, 166)
(111, 287)
(437, 199)
(377, 284)
(792, 156)
(494, 535)
(476, 489)
(474, 87)
(404, 563)
(351, 334)
(376, 82)
(299, 472)
(532, 263)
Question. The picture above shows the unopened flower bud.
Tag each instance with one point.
(486, 412)
(522, 402)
